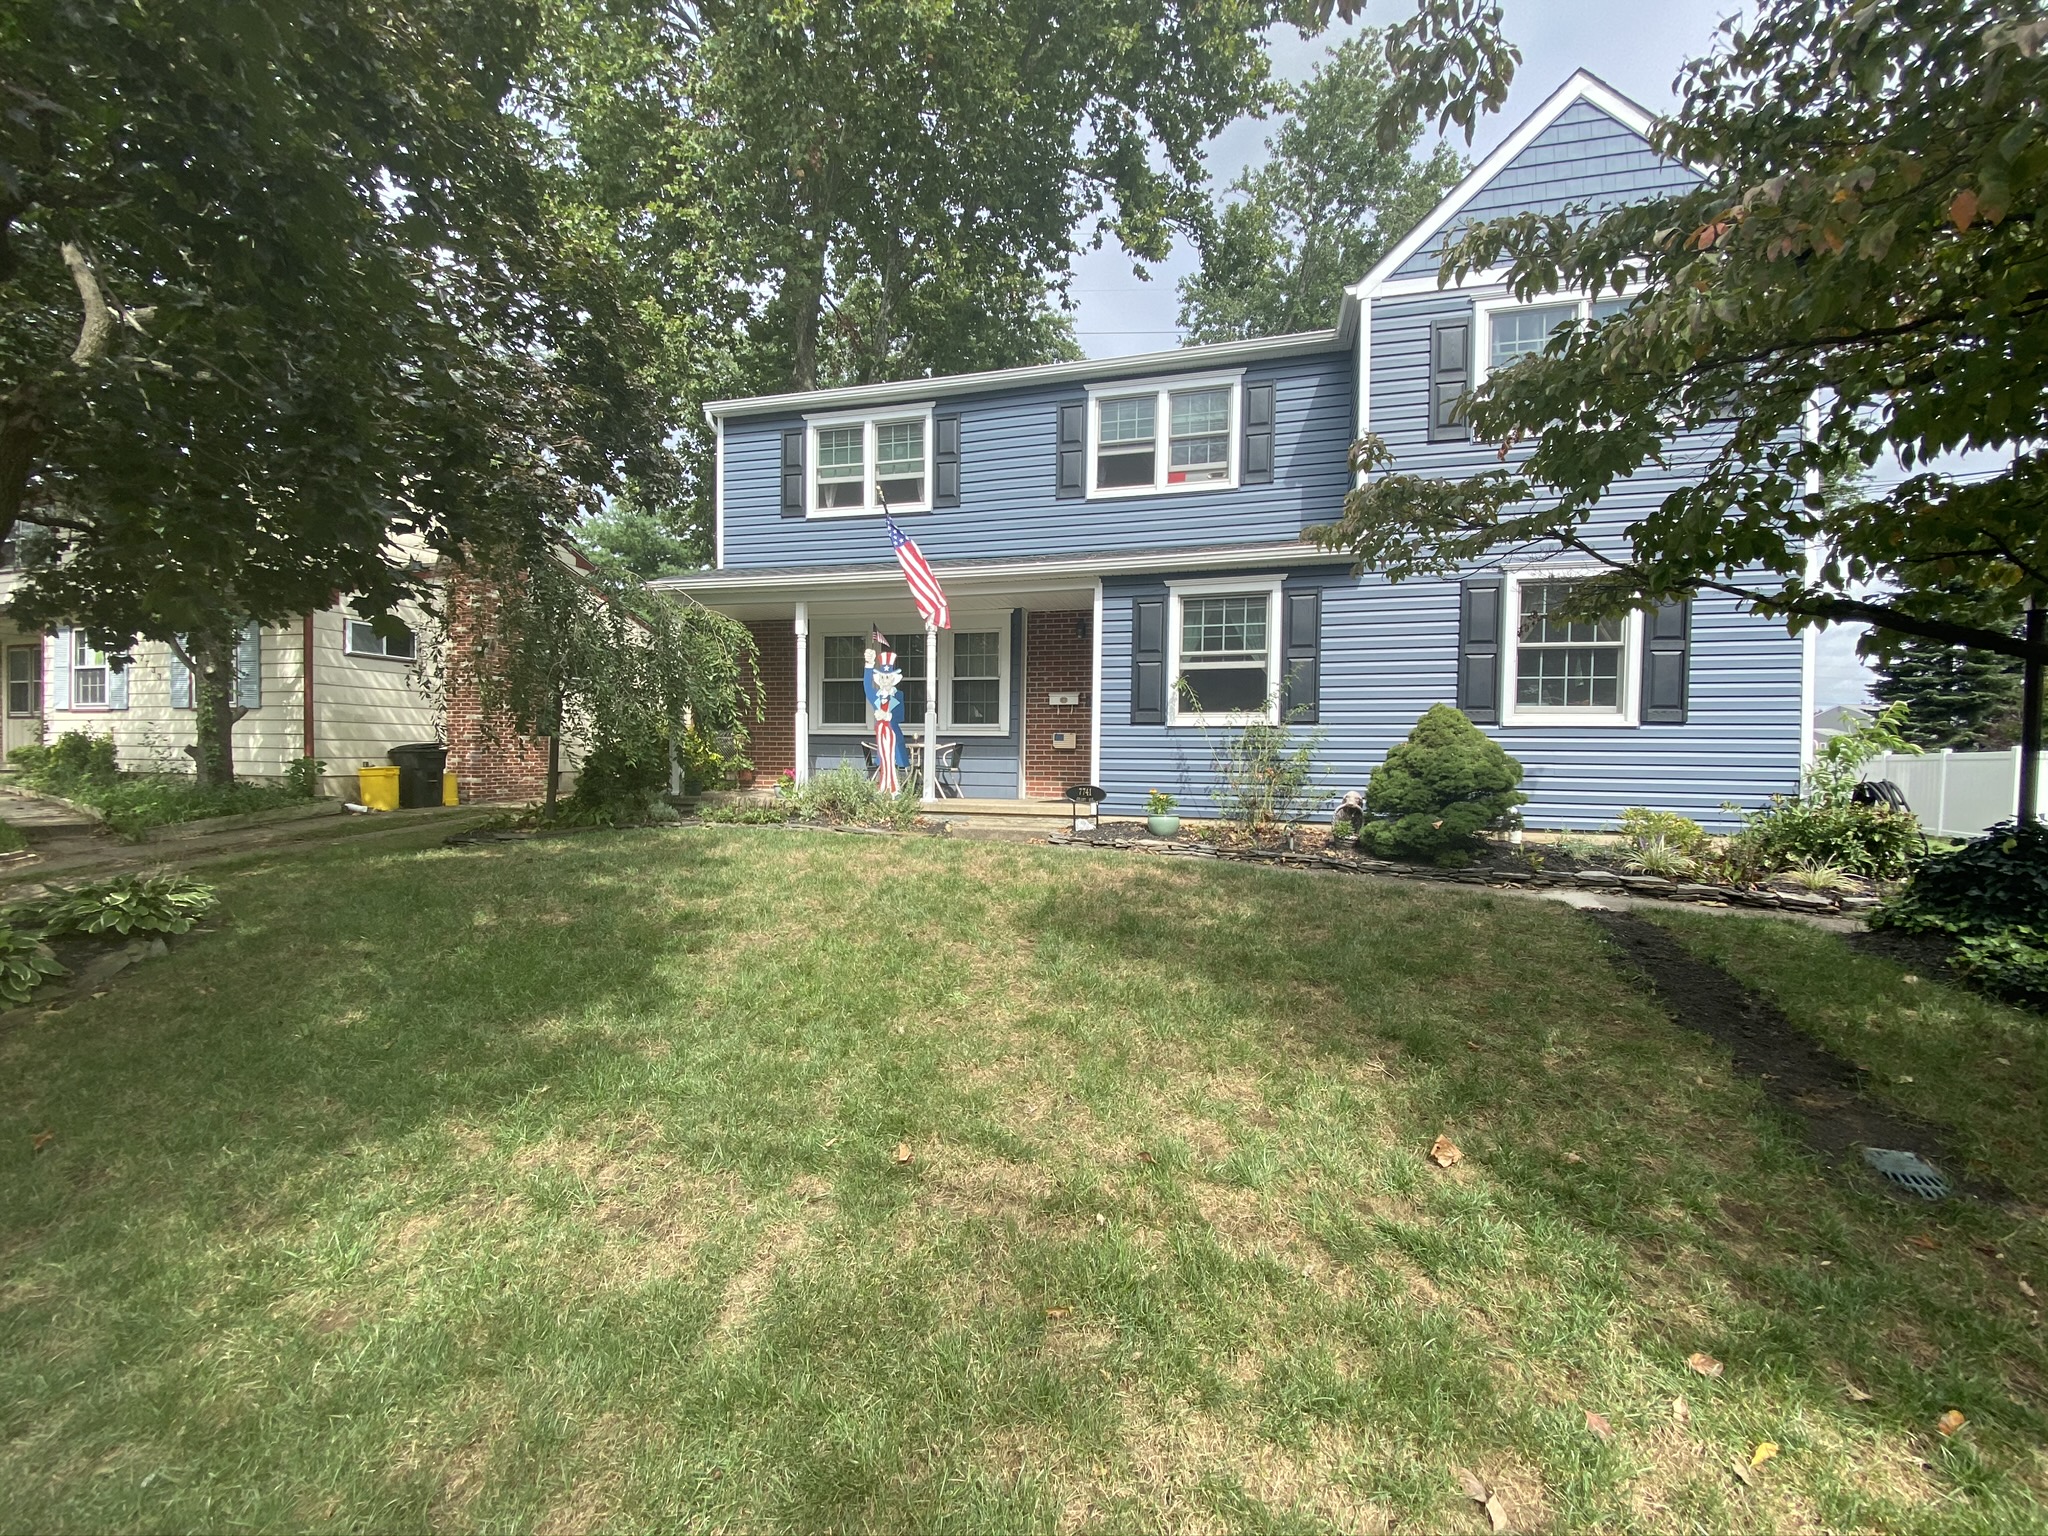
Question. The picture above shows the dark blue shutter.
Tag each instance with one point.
(1479, 643)
(1073, 450)
(1148, 661)
(1257, 461)
(1450, 377)
(793, 472)
(1667, 657)
(945, 461)
(1300, 657)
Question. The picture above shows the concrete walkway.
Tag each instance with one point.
(67, 844)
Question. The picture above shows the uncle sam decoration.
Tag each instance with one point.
(883, 680)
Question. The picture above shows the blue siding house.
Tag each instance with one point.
(1121, 543)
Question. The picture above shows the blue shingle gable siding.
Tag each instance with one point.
(1008, 505)
(1586, 156)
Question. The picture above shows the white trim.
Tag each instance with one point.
(860, 395)
(870, 422)
(1428, 284)
(778, 578)
(1163, 390)
(1582, 86)
(1095, 690)
(1483, 311)
(1629, 713)
(802, 724)
(1219, 586)
(718, 494)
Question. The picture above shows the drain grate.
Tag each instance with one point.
(1909, 1172)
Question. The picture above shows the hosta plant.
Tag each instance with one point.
(122, 906)
(24, 963)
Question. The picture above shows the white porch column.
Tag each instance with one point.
(1095, 690)
(802, 764)
(931, 713)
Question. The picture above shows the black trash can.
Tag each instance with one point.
(420, 767)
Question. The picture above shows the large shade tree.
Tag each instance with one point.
(1860, 271)
(286, 305)
(1326, 202)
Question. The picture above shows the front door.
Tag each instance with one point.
(24, 695)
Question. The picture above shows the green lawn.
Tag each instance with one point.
(554, 1186)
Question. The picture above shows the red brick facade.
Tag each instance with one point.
(1059, 656)
(772, 738)
(488, 764)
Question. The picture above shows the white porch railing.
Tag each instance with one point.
(1958, 794)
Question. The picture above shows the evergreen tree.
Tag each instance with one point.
(1954, 696)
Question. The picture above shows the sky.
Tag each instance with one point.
(1636, 48)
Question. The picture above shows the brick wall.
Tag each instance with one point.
(1059, 655)
(490, 761)
(772, 738)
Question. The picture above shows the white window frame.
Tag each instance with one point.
(80, 649)
(981, 623)
(1177, 713)
(1162, 439)
(349, 647)
(871, 505)
(1483, 311)
(1576, 715)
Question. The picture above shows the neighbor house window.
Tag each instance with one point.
(1514, 331)
(1223, 652)
(1178, 435)
(1567, 667)
(24, 680)
(977, 678)
(363, 640)
(88, 674)
(871, 463)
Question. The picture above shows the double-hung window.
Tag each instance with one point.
(977, 680)
(1173, 435)
(88, 674)
(1513, 330)
(864, 465)
(1224, 666)
(362, 639)
(842, 696)
(1568, 668)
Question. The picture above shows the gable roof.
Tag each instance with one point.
(1586, 143)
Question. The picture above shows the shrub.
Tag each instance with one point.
(1991, 895)
(124, 905)
(710, 762)
(29, 760)
(25, 963)
(81, 755)
(1642, 826)
(1437, 791)
(302, 777)
(619, 782)
(1266, 777)
(846, 795)
(1872, 840)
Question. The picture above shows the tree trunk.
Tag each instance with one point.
(554, 764)
(214, 710)
(809, 305)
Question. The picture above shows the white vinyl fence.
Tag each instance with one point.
(1957, 794)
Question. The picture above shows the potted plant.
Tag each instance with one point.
(1159, 817)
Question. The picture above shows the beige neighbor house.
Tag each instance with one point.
(326, 685)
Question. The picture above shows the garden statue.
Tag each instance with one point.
(883, 680)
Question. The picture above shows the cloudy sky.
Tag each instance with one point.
(1634, 47)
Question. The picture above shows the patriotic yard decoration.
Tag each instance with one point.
(924, 586)
(883, 680)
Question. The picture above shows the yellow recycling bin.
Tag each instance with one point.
(378, 787)
(448, 790)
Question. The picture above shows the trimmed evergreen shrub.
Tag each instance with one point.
(1436, 792)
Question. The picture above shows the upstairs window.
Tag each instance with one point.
(1512, 331)
(362, 639)
(1175, 435)
(865, 465)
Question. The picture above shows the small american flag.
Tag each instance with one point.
(924, 586)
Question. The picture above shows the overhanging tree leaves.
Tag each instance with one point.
(284, 302)
(1865, 236)
(1323, 206)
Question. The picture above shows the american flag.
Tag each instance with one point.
(924, 586)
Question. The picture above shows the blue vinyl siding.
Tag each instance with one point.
(1586, 156)
(1389, 651)
(1007, 468)
(988, 764)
